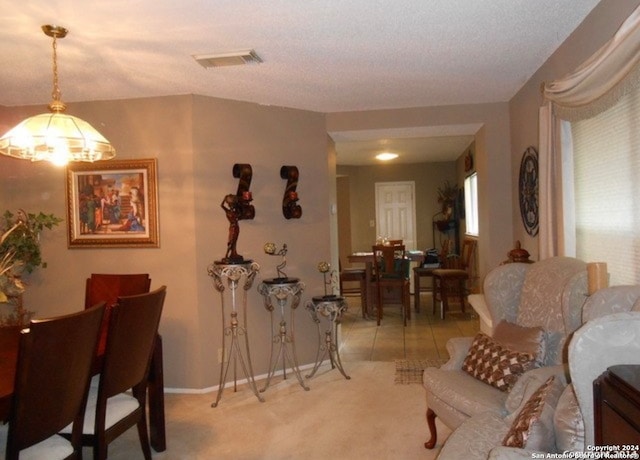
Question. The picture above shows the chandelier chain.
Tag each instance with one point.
(56, 94)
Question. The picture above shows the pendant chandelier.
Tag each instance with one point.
(56, 137)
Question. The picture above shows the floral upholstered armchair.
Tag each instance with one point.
(536, 307)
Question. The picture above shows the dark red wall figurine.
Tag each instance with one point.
(290, 207)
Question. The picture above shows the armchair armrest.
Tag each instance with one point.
(610, 300)
(479, 304)
(458, 347)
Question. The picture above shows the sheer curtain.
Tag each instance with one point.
(592, 88)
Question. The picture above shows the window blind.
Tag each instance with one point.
(471, 204)
(607, 189)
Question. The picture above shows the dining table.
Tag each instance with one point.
(9, 346)
(367, 259)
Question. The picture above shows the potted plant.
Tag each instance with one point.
(447, 195)
(19, 252)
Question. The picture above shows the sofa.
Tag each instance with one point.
(547, 295)
(609, 335)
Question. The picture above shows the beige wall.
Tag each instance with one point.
(595, 30)
(196, 141)
(344, 219)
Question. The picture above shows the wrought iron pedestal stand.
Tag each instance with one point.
(283, 293)
(330, 307)
(232, 276)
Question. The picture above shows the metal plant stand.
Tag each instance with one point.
(330, 307)
(283, 293)
(232, 276)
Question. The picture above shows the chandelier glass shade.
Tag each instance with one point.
(56, 137)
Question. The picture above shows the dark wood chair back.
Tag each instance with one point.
(451, 280)
(131, 337)
(52, 378)
(389, 261)
(106, 287)
(391, 270)
(462, 261)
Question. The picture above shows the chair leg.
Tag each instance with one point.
(431, 423)
(144, 438)
(403, 308)
(100, 449)
(462, 291)
(436, 287)
(406, 303)
(444, 297)
(416, 292)
(363, 297)
(379, 304)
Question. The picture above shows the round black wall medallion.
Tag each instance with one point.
(528, 190)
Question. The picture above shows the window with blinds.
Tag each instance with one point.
(607, 189)
(471, 204)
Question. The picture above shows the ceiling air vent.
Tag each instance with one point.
(225, 59)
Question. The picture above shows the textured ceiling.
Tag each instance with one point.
(325, 56)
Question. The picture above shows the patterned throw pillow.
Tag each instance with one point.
(522, 425)
(494, 364)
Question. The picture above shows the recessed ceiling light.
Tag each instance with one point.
(225, 59)
(386, 156)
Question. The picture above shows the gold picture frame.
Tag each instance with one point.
(113, 204)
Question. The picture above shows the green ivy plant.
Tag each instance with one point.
(19, 252)
(23, 242)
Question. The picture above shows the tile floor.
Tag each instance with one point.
(424, 337)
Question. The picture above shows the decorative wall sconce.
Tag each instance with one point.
(244, 173)
(290, 207)
(272, 250)
(238, 207)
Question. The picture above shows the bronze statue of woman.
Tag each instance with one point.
(233, 211)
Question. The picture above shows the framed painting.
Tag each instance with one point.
(113, 204)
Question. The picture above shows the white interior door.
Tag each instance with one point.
(396, 211)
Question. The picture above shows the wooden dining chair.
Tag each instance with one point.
(391, 271)
(111, 409)
(451, 280)
(354, 275)
(52, 378)
(106, 287)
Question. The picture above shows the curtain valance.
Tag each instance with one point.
(601, 80)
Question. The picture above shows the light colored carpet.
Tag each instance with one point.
(411, 370)
(367, 417)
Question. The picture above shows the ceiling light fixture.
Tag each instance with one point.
(386, 156)
(55, 136)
